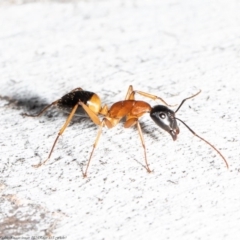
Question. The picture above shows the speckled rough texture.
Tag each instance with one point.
(167, 48)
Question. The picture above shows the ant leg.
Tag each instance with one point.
(131, 96)
(104, 110)
(130, 93)
(59, 134)
(109, 122)
(153, 97)
(50, 105)
(94, 146)
(131, 122)
(42, 111)
(93, 116)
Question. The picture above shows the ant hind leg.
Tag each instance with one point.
(59, 134)
(42, 111)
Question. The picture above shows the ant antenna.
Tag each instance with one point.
(224, 159)
(187, 99)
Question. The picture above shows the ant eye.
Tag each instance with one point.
(162, 115)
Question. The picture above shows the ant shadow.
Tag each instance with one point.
(28, 104)
(34, 104)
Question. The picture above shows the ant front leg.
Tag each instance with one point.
(131, 122)
(131, 96)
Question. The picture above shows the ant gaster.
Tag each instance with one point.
(79, 101)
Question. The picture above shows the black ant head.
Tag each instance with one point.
(165, 119)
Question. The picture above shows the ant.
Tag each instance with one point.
(82, 102)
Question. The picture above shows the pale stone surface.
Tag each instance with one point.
(167, 48)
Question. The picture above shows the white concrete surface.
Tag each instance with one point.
(167, 48)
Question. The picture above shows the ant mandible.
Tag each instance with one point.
(85, 102)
